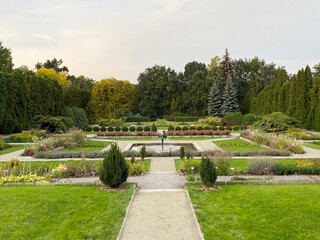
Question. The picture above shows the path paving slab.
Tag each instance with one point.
(161, 215)
(162, 164)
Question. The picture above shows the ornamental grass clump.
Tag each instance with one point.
(114, 170)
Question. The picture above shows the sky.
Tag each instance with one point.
(121, 38)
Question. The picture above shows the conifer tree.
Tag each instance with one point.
(282, 98)
(291, 108)
(215, 100)
(301, 97)
(314, 101)
(230, 102)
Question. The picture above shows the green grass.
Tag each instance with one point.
(237, 145)
(191, 138)
(61, 212)
(315, 145)
(13, 148)
(258, 211)
(88, 146)
(243, 163)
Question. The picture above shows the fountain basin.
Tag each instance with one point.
(167, 147)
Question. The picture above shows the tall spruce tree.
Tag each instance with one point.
(314, 101)
(230, 101)
(291, 107)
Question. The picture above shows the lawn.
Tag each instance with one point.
(243, 163)
(258, 211)
(237, 145)
(315, 145)
(88, 146)
(13, 148)
(61, 212)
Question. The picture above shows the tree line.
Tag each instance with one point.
(224, 85)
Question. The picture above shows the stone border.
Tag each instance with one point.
(195, 145)
(195, 217)
(126, 216)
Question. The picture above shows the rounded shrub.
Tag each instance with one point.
(235, 128)
(146, 128)
(103, 129)
(229, 128)
(214, 128)
(139, 129)
(96, 129)
(199, 128)
(208, 172)
(178, 128)
(153, 128)
(88, 129)
(113, 169)
(170, 128)
(83, 128)
(206, 128)
(230, 119)
(132, 129)
(124, 129)
(221, 128)
(193, 128)
(185, 128)
(117, 129)
(110, 129)
(248, 119)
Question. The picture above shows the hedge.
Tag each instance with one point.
(187, 119)
(138, 119)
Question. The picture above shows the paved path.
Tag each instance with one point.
(161, 208)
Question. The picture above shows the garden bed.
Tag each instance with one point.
(258, 212)
(61, 212)
(11, 149)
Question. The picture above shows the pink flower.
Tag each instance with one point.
(93, 173)
(5, 171)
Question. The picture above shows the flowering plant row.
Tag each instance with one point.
(140, 133)
(281, 142)
(197, 132)
(305, 163)
(69, 140)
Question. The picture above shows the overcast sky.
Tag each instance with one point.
(104, 38)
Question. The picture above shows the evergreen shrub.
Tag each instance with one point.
(96, 129)
(146, 128)
(125, 129)
(110, 129)
(208, 172)
(88, 129)
(132, 129)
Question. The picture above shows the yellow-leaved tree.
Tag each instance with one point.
(52, 74)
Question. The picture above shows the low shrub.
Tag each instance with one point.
(235, 128)
(3, 145)
(232, 119)
(125, 129)
(214, 128)
(221, 128)
(270, 152)
(103, 129)
(146, 128)
(289, 169)
(248, 119)
(136, 169)
(110, 129)
(187, 165)
(207, 128)
(153, 128)
(178, 128)
(199, 128)
(261, 167)
(222, 161)
(185, 128)
(192, 128)
(96, 129)
(56, 155)
(88, 129)
(30, 178)
(20, 138)
(132, 129)
(170, 128)
(117, 129)
(139, 129)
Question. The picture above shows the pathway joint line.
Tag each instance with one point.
(125, 217)
(195, 216)
(162, 190)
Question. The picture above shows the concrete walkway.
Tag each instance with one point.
(161, 208)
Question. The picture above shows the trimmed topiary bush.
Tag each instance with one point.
(153, 128)
(199, 128)
(185, 128)
(139, 129)
(192, 128)
(214, 128)
(248, 119)
(110, 129)
(132, 129)
(138, 119)
(143, 153)
(221, 128)
(114, 170)
(88, 129)
(230, 119)
(206, 128)
(182, 154)
(103, 129)
(117, 129)
(124, 129)
(96, 129)
(170, 128)
(146, 129)
(178, 128)
(207, 172)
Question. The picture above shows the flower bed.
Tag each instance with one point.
(281, 142)
(119, 134)
(198, 133)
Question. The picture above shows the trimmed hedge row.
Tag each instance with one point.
(138, 119)
(187, 119)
